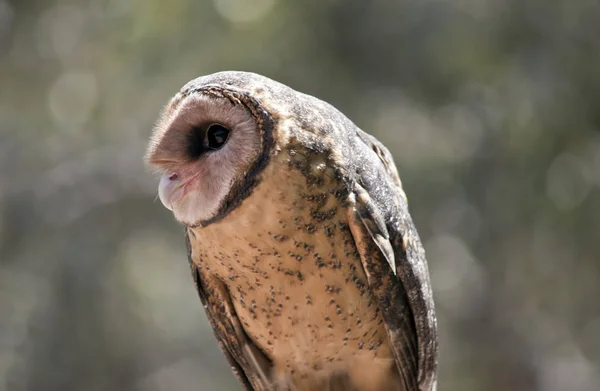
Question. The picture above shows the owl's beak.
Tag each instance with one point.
(169, 190)
(172, 188)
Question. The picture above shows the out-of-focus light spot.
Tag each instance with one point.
(567, 370)
(72, 98)
(456, 214)
(457, 279)
(59, 31)
(566, 182)
(243, 11)
(457, 126)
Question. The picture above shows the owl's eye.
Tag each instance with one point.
(216, 136)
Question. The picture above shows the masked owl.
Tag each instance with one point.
(299, 238)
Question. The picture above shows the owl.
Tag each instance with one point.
(299, 238)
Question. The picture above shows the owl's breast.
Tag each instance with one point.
(295, 277)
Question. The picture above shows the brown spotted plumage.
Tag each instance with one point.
(299, 237)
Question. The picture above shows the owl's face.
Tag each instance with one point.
(202, 146)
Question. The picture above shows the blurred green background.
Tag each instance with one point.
(491, 108)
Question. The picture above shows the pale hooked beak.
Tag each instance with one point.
(170, 190)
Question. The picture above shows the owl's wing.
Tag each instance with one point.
(395, 264)
(248, 363)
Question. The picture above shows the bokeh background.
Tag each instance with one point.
(491, 108)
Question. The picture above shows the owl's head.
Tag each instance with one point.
(209, 146)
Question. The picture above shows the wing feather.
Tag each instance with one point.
(391, 298)
(378, 196)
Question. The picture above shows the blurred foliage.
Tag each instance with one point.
(491, 108)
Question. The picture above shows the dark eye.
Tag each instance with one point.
(216, 136)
